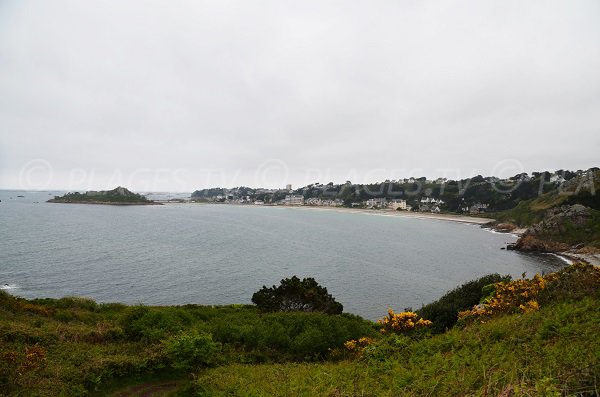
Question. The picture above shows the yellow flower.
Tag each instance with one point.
(350, 345)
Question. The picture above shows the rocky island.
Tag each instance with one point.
(117, 196)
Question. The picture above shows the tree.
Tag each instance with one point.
(294, 294)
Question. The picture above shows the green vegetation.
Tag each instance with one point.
(552, 352)
(444, 312)
(571, 234)
(118, 195)
(535, 337)
(71, 346)
(518, 350)
(458, 196)
(293, 294)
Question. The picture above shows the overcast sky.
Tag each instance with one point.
(180, 95)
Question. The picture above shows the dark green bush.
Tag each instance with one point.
(295, 295)
(141, 323)
(444, 312)
(290, 336)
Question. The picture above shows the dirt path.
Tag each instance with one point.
(149, 389)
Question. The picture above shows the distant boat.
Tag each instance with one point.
(20, 196)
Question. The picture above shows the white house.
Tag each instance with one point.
(375, 203)
(294, 199)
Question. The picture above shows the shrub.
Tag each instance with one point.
(574, 281)
(385, 348)
(444, 312)
(296, 295)
(358, 346)
(151, 324)
(509, 297)
(191, 350)
(290, 336)
(402, 323)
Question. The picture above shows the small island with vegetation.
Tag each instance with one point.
(117, 196)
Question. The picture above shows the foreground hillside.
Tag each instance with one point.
(555, 351)
(529, 337)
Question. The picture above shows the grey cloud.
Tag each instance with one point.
(337, 90)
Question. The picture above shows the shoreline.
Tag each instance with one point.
(384, 212)
(407, 214)
(105, 202)
(574, 257)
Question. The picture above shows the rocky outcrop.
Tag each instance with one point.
(505, 227)
(530, 243)
(545, 235)
(557, 219)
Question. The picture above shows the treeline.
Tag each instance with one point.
(457, 195)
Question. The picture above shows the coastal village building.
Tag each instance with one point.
(431, 200)
(294, 199)
(375, 203)
(397, 204)
(324, 203)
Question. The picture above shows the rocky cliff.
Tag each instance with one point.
(556, 230)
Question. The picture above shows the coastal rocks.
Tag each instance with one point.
(506, 227)
(530, 243)
(557, 219)
(582, 255)
(542, 236)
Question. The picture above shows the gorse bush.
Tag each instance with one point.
(444, 312)
(293, 294)
(402, 323)
(522, 295)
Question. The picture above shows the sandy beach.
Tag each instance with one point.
(389, 212)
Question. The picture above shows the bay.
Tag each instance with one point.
(221, 254)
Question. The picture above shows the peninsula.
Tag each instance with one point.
(117, 196)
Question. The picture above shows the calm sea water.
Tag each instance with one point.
(220, 254)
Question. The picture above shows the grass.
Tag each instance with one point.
(75, 346)
(555, 350)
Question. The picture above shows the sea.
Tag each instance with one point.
(215, 254)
